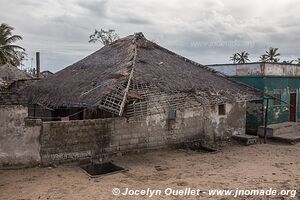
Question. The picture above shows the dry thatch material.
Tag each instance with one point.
(136, 72)
(11, 73)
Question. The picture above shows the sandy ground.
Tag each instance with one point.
(259, 166)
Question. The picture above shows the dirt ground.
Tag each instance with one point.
(260, 166)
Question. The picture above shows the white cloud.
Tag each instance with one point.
(60, 29)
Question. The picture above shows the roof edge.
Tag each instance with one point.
(251, 63)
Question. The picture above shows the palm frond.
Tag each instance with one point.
(13, 39)
(9, 52)
(12, 47)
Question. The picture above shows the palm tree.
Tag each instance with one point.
(297, 61)
(243, 57)
(234, 58)
(263, 58)
(288, 61)
(271, 55)
(9, 52)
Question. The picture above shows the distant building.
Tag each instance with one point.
(278, 79)
(45, 74)
(11, 77)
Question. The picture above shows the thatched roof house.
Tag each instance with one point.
(10, 74)
(162, 99)
(133, 73)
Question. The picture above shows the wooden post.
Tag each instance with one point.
(38, 65)
(266, 121)
(34, 110)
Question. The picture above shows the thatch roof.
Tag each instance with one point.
(135, 68)
(11, 73)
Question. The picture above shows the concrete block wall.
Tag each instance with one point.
(26, 142)
(74, 140)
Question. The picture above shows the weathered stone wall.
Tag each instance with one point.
(73, 140)
(19, 137)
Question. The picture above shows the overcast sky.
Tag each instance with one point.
(207, 31)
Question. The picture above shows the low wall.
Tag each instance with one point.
(19, 137)
(25, 142)
(74, 140)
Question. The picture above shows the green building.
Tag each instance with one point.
(277, 79)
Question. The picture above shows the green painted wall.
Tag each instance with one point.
(277, 113)
(253, 81)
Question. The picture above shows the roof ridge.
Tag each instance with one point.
(220, 74)
(182, 57)
(136, 37)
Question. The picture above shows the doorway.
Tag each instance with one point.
(293, 106)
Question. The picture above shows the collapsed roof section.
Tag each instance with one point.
(136, 72)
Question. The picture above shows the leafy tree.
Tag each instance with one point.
(271, 55)
(9, 52)
(103, 36)
(243, 57)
